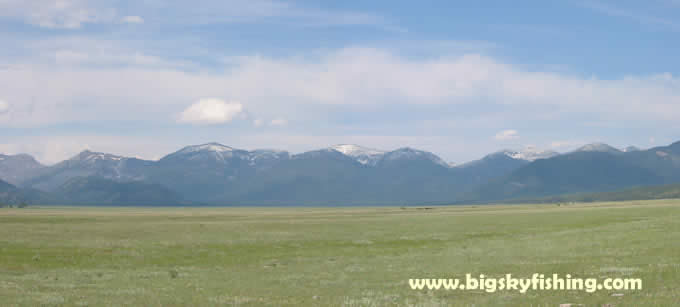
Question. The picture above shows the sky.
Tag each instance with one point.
(461, 79)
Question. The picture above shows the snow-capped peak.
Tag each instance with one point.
(361, 154)
(356, 150)
(90, 156)
(530, 153)
(209, 147)
(598, 147)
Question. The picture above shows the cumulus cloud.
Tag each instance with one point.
(507, 135)
(4, 106)
(211, 111)
(132, 19)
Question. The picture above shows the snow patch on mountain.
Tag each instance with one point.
(209, 147)
(363, 155)
(356, 150)
(266, 155)
(93, 157)
(530, 153)
(226, 155)
(213, 150)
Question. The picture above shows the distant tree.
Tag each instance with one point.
(23, 205)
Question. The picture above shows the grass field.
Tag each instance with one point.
(333, 256)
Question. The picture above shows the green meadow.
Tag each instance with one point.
(334, 256)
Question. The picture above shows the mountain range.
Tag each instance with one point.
(215, 174)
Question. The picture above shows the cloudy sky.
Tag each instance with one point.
(458, 78)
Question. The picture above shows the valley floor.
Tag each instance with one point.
(334, 256)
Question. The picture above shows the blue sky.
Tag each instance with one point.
(458, 78)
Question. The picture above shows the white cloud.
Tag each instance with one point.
(106, 58)
(247, 11)
(644, 19)
(258, 122)
(4, 106)
(133, 19)
(278, 122)
(67, 14)
(70, 52)
(357, 77)
(507, 135)
(73, 14)
(211, 111)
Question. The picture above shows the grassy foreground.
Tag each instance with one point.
(336, 256)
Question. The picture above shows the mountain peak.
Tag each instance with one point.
(19, 157)
(361, 154)
(529, 153)
(351, 149)
(87, 155)
(598, 147)
(16, 168)
(208, 147)
(412, 153)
